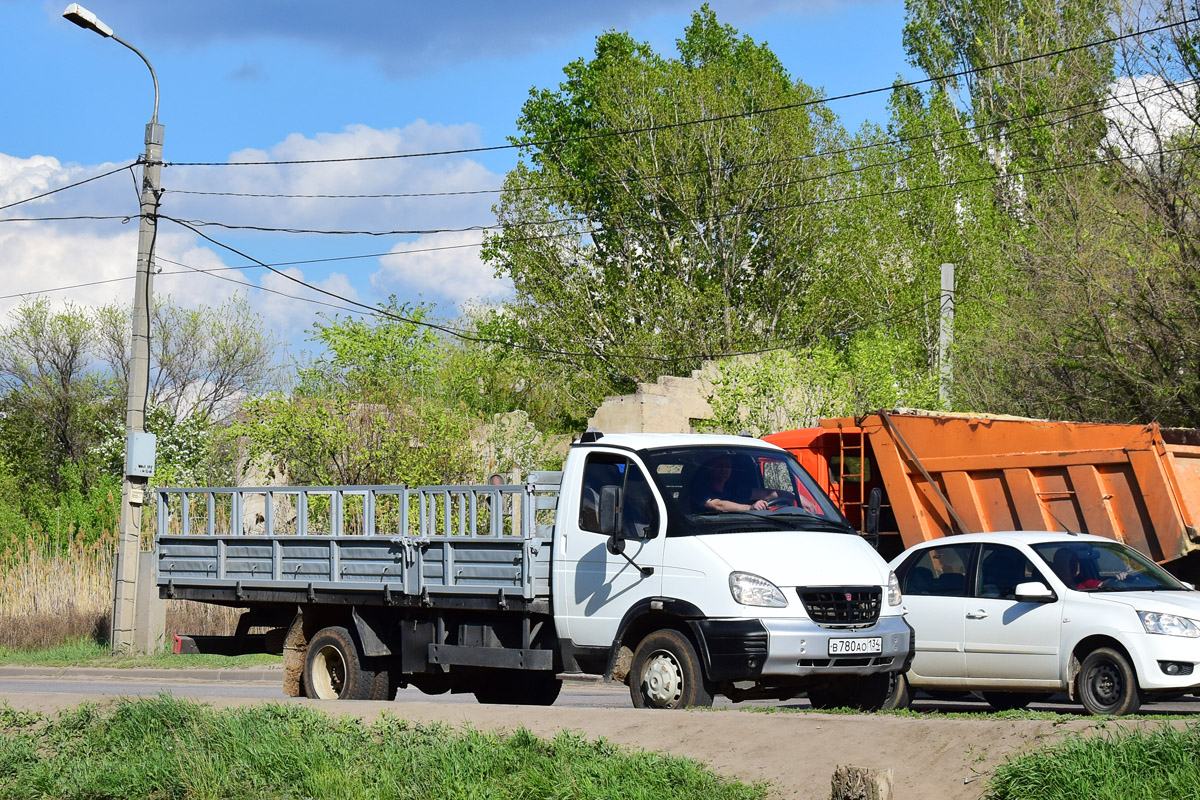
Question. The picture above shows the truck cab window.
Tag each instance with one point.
(638, 512)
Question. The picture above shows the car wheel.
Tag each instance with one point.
(666, 673)
(1012, 701)
(883, 691)
(1107, 683)
(333, 669)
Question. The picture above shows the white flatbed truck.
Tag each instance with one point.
(615, 566)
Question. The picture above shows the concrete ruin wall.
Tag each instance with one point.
(670, 405)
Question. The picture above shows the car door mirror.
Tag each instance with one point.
(1034, 592)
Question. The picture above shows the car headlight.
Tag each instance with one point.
(1169, 624)
(894, 596)
(751, 590)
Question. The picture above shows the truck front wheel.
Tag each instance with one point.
(333, 669)
(666, 673)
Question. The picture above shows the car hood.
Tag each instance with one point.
(801, 558)
(1183, 604)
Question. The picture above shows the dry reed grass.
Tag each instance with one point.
(50, 596)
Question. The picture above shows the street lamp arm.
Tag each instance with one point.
(153, 76)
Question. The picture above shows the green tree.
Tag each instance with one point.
(369, 409)
(672, 241)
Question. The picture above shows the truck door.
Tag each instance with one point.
(593, 587)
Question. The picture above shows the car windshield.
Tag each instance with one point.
(1105, 567)
(731, 489)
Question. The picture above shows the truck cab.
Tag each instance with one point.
(686, 565)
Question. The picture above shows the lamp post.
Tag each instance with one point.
(139, 447)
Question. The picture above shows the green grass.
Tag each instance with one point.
(1161, 763)
(168, 748)
(89, 653)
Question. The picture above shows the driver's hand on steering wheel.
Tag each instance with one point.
(760, 505)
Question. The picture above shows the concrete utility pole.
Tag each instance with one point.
(139, 446)
(946, 337)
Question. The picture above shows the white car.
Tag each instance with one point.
(1019, 616)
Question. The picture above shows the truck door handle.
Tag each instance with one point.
(980, 614)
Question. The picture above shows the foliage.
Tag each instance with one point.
(635, 254)
(163, 747)
(202, 358)
(1158, 762)
(366, 410)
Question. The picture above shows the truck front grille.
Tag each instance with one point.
(846, 607)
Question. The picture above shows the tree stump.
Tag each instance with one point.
(861, 783)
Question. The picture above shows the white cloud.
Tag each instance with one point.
(384, 176)
(1145, 112)
(446, 265)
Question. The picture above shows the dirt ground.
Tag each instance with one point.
(794, 754)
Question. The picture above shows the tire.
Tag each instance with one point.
(1107, 684)
(333, 669)
(898, 695)
(666, 673)
(521, 689)
(836, 691)
(1012, 701)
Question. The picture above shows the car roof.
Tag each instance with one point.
(1015, 537)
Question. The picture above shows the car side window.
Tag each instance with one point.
(1001, 569)
(938, 572)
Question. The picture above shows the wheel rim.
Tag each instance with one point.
(662, 680)
(329, 673)
(1105, 684)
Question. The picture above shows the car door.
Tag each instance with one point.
(934, 587)
(597, 586)
(1009, 641)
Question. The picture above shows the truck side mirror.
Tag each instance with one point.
(871, 523)
(610, 509)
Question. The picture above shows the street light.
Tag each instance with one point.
(139, 446)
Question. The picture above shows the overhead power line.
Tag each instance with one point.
(68, 186)
(544, 144)
(1090, 107)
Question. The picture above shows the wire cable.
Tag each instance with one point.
(542, 145)
(1090, 107)
(128, 166)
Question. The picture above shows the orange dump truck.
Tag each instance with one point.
(943, 474)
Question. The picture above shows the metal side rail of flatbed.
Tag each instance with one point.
(433, 546)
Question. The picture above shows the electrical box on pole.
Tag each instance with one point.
(139, 454)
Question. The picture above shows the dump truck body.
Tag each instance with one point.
(943, 474)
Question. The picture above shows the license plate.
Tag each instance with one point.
(851, 647)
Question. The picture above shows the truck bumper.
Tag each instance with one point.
(757, 649)
(800, 647)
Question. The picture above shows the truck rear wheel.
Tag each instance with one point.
(333, 669)
(666, 673)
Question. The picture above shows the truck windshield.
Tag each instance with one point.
(730, 489)
(1104, 567)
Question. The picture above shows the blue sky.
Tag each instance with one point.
(295, 79)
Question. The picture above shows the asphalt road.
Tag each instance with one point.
(265, 684)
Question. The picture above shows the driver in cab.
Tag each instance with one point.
(716, 493)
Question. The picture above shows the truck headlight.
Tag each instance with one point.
(1169, 624)
(751, 590)
(894, 596)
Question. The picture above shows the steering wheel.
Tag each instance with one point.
(782, 500)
